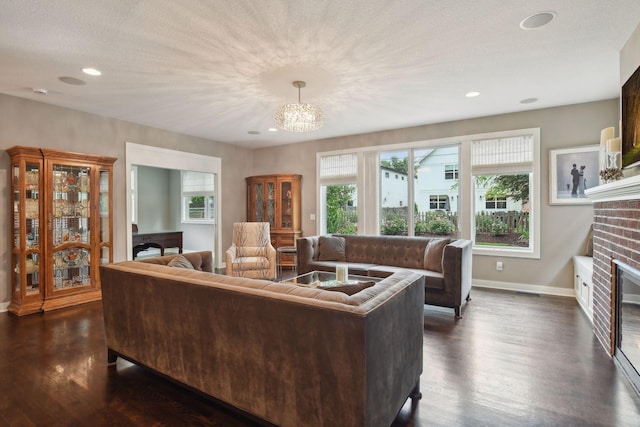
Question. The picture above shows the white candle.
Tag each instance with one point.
(614, 145)
(342, 272)
(605, 135)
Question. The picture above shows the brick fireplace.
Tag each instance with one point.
(616, 235)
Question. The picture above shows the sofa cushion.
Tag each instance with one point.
(180, 262)
(331, 248)
(432, 279)
(433, 254)
(348, 289)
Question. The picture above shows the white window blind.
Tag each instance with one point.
(339, 166)
(502, 155)
(197, 182)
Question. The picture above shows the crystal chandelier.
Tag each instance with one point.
(299, 117)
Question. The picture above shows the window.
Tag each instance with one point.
(479, 187)
(393, 211)
(198, 197)
(499, 202)
(339, 194)
(439, 202)
(450, 172)
(134, 194)
(503, 174)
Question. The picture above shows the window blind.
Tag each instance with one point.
(339, 166)
(197, 182)
(502, 155)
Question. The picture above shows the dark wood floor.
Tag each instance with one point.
(513, 360)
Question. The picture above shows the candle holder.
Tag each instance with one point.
(614, 160)
(342, 272)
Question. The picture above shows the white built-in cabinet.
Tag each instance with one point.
(583, 283)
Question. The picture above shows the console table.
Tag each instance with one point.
(161, 240)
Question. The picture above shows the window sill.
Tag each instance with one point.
(505, 252)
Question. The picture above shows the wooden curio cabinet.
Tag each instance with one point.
(276, 199)
(61, 227)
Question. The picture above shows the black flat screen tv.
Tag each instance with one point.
(631, 121)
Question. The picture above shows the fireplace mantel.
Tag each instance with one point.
(624, 189)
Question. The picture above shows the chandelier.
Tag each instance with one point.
(299, 117)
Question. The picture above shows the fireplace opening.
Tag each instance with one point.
(627, 315)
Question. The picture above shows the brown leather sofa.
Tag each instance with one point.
(289, 355)
(445, 264)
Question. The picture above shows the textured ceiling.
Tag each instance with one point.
(217, 69)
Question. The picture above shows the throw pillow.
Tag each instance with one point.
(180, 262)
(331, 248)
(433, 254)
(348, 289)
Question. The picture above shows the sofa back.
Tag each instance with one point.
(400, 251)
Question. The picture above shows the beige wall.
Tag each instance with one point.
(564, 228)
(25, 122)
(630, 56)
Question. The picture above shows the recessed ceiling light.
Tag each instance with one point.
(72, 81)
(273, 129)
(91, 71)
(528, 100)
(537, 20)
(253, 132)
(472, 94)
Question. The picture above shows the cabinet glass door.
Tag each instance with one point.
(105, 217)
(70, 226)
(285, 205)
(32, 228)
(271, 204)
(26, 252)
(259, 201)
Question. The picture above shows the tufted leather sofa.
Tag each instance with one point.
(381, 256)
(289, 355)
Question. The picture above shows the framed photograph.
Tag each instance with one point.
(571, 172)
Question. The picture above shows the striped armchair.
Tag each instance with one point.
(251, 253)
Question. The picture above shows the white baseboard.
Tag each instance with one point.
(524, 287)
(4, 306)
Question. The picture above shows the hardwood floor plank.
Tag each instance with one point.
(513, 359)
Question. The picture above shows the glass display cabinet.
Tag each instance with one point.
(62, 216)
(276, 199)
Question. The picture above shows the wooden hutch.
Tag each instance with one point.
(61, 228)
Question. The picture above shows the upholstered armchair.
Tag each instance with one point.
(251, 253)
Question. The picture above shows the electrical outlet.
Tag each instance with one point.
(499, 266)
(312, 217)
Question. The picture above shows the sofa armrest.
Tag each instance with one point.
(456, 268)
(306, 248)
(230, 256)
(272, 257)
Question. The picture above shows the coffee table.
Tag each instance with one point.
(326, 279)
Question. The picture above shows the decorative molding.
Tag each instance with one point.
(524, 287)
(624, 189)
